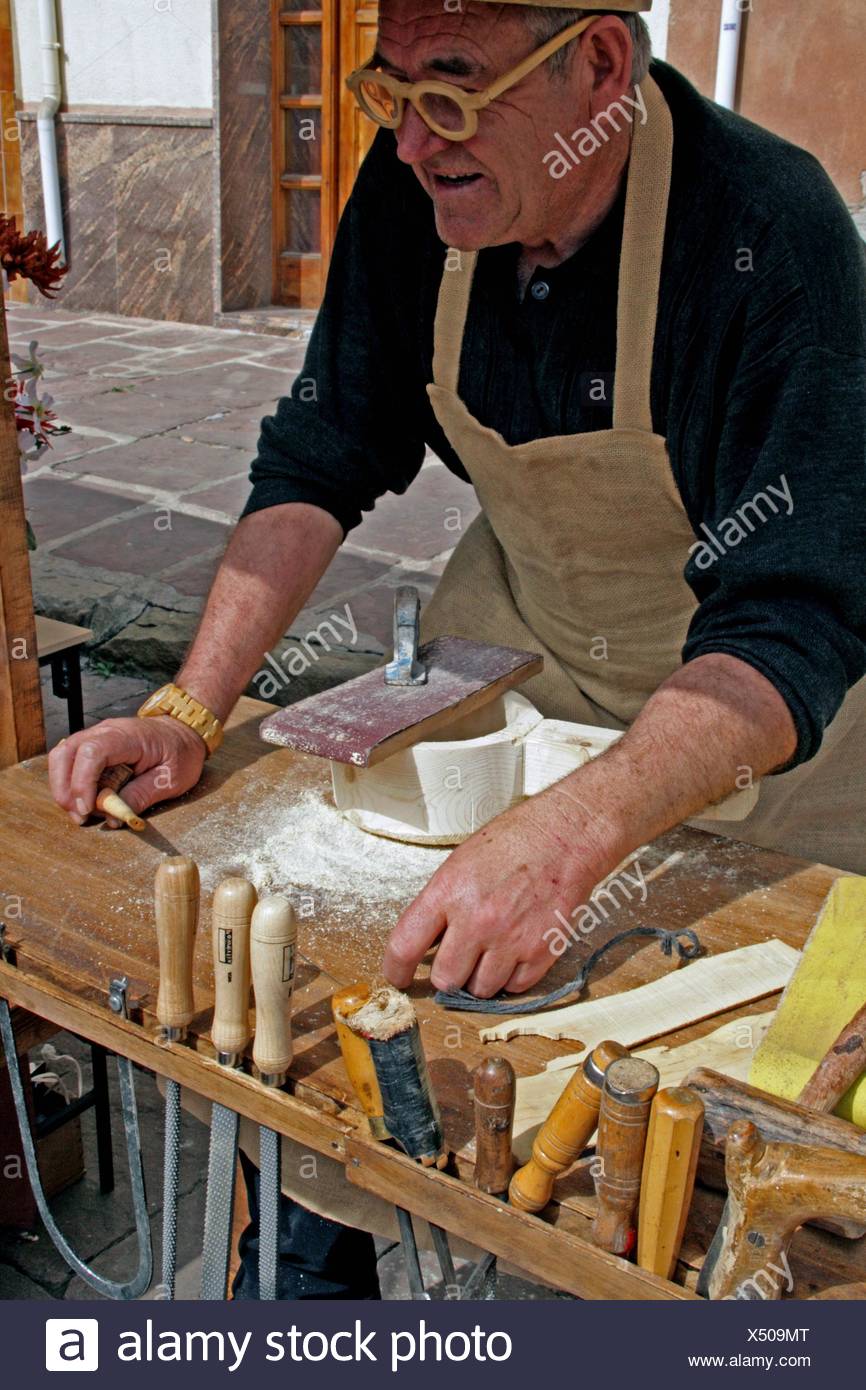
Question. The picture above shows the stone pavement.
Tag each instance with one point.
(132, 510)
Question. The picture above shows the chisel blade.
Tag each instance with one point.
(219, 1203)
(269, 1213)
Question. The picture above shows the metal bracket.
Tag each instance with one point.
(7, 952)
(108, 1287)
(406, 669)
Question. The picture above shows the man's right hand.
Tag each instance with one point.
(166, 757)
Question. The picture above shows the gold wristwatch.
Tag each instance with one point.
(172, 700)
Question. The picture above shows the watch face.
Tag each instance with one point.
(153, 702)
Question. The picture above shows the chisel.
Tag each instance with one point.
(673, 1144)
(494, 1089)
(566, 1132)
(233, 904)
(388, 1023)
(629, 1086)
(112, 780)
(272, 960)
(176, 899)
(362, 1077)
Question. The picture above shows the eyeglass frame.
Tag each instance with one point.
(470, 103)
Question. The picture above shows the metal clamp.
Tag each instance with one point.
(406, 669)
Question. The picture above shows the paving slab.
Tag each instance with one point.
(422, 522)
(145, 544)
(164, 461)
(57, 508)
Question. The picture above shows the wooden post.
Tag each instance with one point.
(22, 731)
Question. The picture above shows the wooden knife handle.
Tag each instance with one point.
(670, 1162)
(233, 904)
(842, 1066)
(273, 934)
(108, 803)
(176, 900)
(357, 1057)
(566, 1131)
(629, 1086)
(494, 1087)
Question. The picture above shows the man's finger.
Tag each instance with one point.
(490, 974)
(104, 747)
(152, 786)
(458, 954)
(525, 976)
(60, 761)
(421, 923)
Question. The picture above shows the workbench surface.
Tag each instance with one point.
(77, 903)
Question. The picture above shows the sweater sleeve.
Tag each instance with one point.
(348, 432)
(778, 564)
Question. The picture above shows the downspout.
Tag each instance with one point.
(729, 53)
(48, 108)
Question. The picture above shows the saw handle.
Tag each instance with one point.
(357, 1058)
(494, 1088)
(233, 904)
(273, 934)
(629, 1087)
(566, 1131)
(176, 902)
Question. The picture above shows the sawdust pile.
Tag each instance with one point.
(308, 850)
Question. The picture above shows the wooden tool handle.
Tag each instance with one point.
(842, 1066)
(629, 1087)
(566, 1131)
(356, 1055)
(110, 804)
(494, 1086)
(772, 1190)
(273, 934)
(668, 1179)
(233, 904)
(176, 899)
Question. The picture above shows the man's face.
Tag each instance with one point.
(495, 187)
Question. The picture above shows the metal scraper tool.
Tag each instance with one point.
(272, 958)
(176, 900)
(365, 720)
(233, 904)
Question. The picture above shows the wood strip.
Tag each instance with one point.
(551, 1255)
(698, 990)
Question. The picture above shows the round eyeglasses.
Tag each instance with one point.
(446, 110)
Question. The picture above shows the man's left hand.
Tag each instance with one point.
(493, 902)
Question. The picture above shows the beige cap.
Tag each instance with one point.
(632, 6)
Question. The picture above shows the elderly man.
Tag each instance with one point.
(635, 323)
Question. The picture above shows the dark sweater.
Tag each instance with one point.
(758, 383)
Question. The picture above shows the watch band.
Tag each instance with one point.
(179, 704)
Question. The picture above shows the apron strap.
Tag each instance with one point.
(451, 308)
(640, 268)
(649, 179)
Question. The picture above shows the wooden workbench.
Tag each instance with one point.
(77, 907)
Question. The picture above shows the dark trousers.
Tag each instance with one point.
(317, 1258)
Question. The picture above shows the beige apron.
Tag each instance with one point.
(580, 548)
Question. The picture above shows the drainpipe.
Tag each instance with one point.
(48, 108)
(729, 53)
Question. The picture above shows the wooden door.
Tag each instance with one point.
(319, 136)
